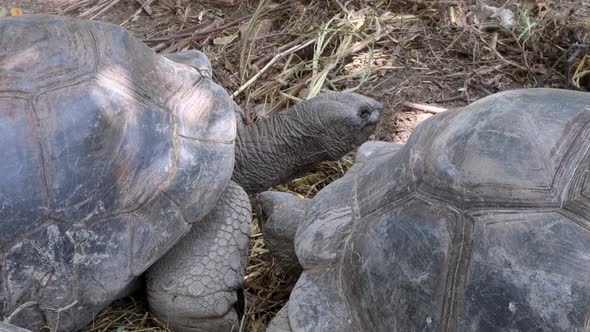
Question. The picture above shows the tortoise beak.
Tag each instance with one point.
(375, 116)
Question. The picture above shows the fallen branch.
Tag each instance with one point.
(74, 6)
(264, 59)
(103, 10)
(434, 2)
(270, 63)
(212, 30)
(96, 7)
(144, 6)
(492, 47)
(424, 107)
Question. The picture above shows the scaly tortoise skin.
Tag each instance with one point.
(481, 222)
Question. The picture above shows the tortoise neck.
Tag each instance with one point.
(276, 150)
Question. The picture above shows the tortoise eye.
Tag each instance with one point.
(365, 113)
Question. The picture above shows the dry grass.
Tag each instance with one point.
(270, 55)
(267, 287)
(129, 314)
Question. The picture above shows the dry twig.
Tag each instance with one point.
(274, 60)
(424, 107)
(205, 32)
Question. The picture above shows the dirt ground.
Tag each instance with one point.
(410, 55)
(422, 48)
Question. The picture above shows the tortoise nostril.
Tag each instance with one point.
(365, 113)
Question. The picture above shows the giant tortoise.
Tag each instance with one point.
(110, 153)
(481, 222)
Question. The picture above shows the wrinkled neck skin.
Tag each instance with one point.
(277, 150)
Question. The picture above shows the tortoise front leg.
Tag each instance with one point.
(194, 287)
(279, 215)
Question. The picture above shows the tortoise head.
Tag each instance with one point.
(326, 127)
(342, 121)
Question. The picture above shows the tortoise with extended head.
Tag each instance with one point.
(481, 222)
(111, 154)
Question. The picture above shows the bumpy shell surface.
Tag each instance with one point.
(481, 222)
(108, 153)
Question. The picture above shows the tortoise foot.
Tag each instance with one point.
(197, 285)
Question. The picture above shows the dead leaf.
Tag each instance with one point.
(262, 110)
(263, 27)
(299, 8)
(505, 17)
(529, 4)
(231, 67)
(16, 11)
(224, 40)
